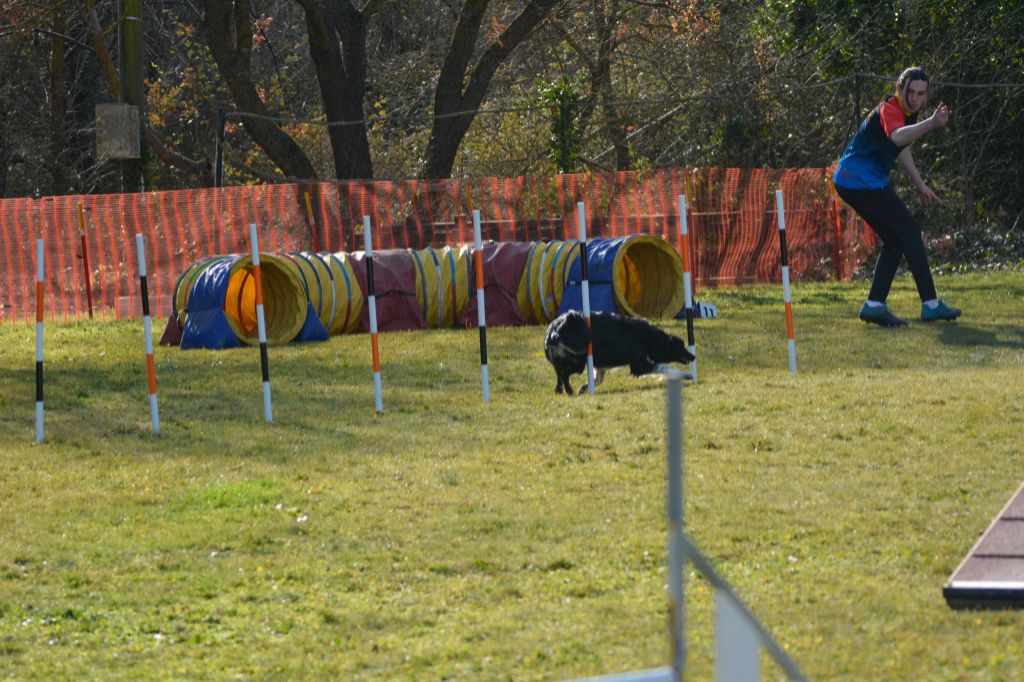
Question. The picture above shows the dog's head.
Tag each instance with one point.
(675, 350)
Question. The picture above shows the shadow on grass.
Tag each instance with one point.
(959, 334)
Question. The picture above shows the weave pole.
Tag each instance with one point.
(581, 214)
(154, 410)
(85, 258)
(684, 244)
(784, 254)
(676, 519)
(261, 322)
(371, 298)
(481, 315)
(40, 267)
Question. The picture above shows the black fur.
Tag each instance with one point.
(617, 341)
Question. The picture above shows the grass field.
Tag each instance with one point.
(519, 540)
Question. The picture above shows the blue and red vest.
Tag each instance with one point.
(869, 158)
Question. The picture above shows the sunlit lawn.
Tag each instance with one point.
(522, 539)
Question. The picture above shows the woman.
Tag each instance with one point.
(862, 180)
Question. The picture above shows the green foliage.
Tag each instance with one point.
(564, 144)
(842, 36)
(520, 539)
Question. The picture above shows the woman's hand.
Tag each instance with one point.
(927, 195)
(940, 116)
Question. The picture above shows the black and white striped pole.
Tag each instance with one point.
(481, 315)
(154, 410)
(581, 214)
(261, 322)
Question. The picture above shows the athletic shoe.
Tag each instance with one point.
(939, 312)
(880, 314)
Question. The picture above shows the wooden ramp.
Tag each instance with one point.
(991, 576)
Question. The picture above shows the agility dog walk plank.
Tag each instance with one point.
(992, 573)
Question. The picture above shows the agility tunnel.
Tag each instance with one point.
(639, 276)
(443, 283)
(306, 297)
(543, 283)
(312, 296)
(394, 279)
(504, 266)
(331, 289)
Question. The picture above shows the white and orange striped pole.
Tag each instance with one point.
(154, 410)
(371, 298)
(261, 322)
(684, 244)
(581, 215)
(481, 315)
(40, 267)
(784, 255)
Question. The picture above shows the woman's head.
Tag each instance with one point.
(912, 89)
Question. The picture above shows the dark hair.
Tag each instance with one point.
(914, 73)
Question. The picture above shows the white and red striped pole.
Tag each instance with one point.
(481, 315)
(261, 322)
(40, 267)
(581, 215)
(784, 255)
(371, 298)
(684, 244)
(154, 411)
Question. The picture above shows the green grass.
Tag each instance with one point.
(524, 539)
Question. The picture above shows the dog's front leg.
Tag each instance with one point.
(598, 378)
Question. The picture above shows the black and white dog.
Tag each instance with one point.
(617, 341)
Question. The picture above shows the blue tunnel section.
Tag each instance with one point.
(638, 275)
(206, 325)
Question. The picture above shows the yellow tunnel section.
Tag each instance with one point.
(646, 278)
(442, 283)
(284, 299)
(544, 277)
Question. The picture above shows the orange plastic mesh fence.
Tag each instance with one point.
(732, 226)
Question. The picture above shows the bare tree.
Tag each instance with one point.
(461, 89)
(229, 34)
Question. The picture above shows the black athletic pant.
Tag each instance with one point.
(887, 215)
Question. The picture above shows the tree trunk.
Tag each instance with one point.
(5, 147)
(337, 46)
(201, 168)
(58, 103)
(601, 77)
(228, 31)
